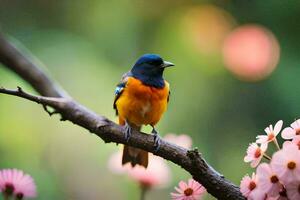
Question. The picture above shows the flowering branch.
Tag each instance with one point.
(55, 97)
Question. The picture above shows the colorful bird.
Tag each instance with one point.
(141, 98)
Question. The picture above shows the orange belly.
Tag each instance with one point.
(140, 104)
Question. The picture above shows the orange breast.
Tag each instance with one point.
(142, 105)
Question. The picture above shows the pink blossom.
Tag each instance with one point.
(268, 180)
(180, 140)
(271, 133)
(282, 195)
(188, 191)
(15, 182)
(293, 190)
(157, 173)
(250, 188)
(295, 141)
(115, 163)
(286, 164)
(291, 132)
(255, 154)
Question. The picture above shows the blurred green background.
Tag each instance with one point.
(87, 45)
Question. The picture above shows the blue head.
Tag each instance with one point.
(149, 69)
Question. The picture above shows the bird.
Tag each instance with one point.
(141, 98)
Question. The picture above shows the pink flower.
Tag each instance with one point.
(268, 180)
(188, 191)
(296, 141)
(180, 140)
(282, 195)
(15, 182)
(291, 132)
(250, 188)
(293, 190)
(286, 164)
(255, 154)
(157, 173)
(271, 133)
(115, 163)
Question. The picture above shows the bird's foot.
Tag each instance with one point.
(157, 139)
(127, 131)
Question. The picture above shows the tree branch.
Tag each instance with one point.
(70, 110)
(12, 58)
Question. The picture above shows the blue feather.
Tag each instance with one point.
(149, 70)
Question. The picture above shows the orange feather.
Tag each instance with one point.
(140, 104)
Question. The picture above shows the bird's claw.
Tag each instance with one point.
(157, 140)
(128, 131)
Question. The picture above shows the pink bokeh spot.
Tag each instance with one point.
(115, 165)
(180, 140)
(157, 174)
(251, 52)
(207, 26)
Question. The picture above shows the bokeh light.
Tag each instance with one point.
(157, 173)
(207, 26)
(251, 52)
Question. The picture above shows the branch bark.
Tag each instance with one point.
(55, 97)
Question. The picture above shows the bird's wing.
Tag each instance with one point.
(169, 94)
(120, 88)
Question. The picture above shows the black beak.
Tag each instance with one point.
(167, 64)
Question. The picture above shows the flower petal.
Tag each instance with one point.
(296, 124)
(288, 133)
(268, 130)
(278, 127)
(248, 158)
(264, 147)
(261, 139)
(182, 185)
(255, 162)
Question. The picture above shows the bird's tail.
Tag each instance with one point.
(134, 156)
